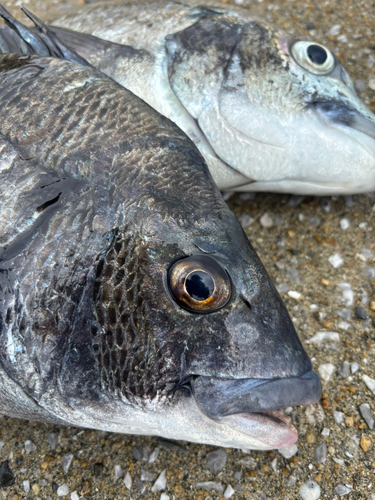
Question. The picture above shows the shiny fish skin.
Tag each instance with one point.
(99, 197)
(230, 81)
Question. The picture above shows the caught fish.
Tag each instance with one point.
(130, 298)
(269, 111)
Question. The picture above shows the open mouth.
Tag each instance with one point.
(254, 406)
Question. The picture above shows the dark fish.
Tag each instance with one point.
(130, 298)
(268, 110)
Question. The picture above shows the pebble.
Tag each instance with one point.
(344, 224)
(354, 367)
(365, 443)
(74, 496)
(326, 432)
(295, 200)
(344, 369)
(360, 85)
(315, 221)
(238, 473)
(371, 84)
(210, 485)
(360, 313)
(29, 446)
(67, 460)
(370, 382)
(164, 496)
(229, 491)
(351, 446)
(53, 439)
(161, 482)
(141, 487)
(247, 196)
(266, 221)
(288, 451)
(294, 295)
(26, 486)
(338, 416)
(128, 481)
(369, 272)
(62, 490)
(293, 274)
(342, 490)
(336, 260)
(154, 455)
(172, 446)
(334, 31)
(314, 414)
(367, 415)
(141, 454)
(118, 472)
(345, 314)
(284, 287)
(325, 203)
(365, 253)
(347, 294)
(320, 337)
(326, 370)
(147, 475)
(245, 220)
(216, 460)
(310, 438)
(310, 491)
(343, 325)
(320, 453)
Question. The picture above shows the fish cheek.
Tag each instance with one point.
(128, 354)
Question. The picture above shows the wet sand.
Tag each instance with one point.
(300, 242)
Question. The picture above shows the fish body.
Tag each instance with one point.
(265, 116)
(130, 298)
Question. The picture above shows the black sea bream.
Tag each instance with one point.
(268, 110)
(130, 298)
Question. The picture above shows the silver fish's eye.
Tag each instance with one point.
(199, 284)
(314, 57)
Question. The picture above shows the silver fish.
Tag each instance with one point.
(130, 298)
(269, 111)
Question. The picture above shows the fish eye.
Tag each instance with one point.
(199, 284)
(314, 57)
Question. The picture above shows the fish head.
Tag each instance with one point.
(280, 110)
(192, 340)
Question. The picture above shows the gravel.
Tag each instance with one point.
(305, 228)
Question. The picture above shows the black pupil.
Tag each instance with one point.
(199, 285)
(317, 54)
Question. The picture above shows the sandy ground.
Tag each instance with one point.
(297, 250)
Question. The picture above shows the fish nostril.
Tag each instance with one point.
(247, 303)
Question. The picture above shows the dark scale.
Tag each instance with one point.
(129, 359)
(317, 54)
(199, 285)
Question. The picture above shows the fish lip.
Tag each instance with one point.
(253, 406)
(335, 113)
(218, 398)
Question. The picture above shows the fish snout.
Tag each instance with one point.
(223, 397)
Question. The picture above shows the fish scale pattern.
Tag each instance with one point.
(128, 356)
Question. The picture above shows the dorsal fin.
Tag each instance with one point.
(16, 38)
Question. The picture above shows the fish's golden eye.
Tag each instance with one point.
(199, 284)
(313, 57)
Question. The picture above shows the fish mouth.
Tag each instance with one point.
(335, 114)
(253, 406)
